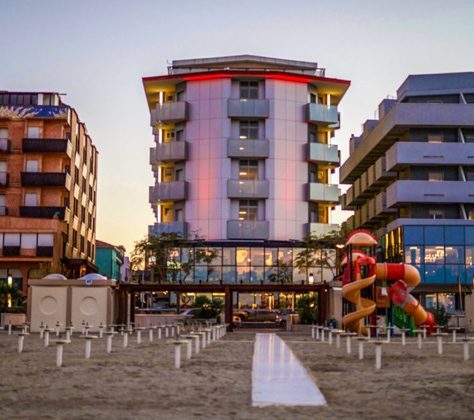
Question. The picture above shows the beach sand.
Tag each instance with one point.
(141, 381)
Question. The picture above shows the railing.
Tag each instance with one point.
(323, 192)
(169, 112)
(323, 153)
(169, 227)
(249, 108)
(171, 151)
(240, 229)
(46, 145)
(247, 188)
(42, 212)
(176, 190)
(44, 179)
(321, 114)
(237, 148)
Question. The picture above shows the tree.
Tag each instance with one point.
(208, 308)
(307, 309)
(12, 294)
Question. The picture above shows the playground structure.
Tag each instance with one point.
(362, 272)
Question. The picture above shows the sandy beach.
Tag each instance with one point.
(141, 381)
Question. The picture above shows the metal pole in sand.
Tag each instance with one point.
(59, 352)
(177, 352)
(378, 354)
(439, 338)
(101, 330)
(159, 331)
(21, 339)
(150, 334)
(361, 341)
(109, 335)
(46, 336)
(9, 328)
(389, 332)
(58, 327)
(88, 347)
(41, 328)
(404, 336)
(466, 348)
(330, 337)
(419, 338)
(338, 339)
(139, 335)
(125, 339)
(322, 334)
(196, 343)
(313, 328)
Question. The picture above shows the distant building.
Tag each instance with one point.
(412, 176)
(110, 259)
(48, 188)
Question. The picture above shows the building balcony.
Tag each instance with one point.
(320, 229)
(248, 148)
(42, 212)
(404, 154)
(325, 193)
(324, 154)
(47, 146)
(381, 208)
(169, 152)
(46, 179)
(247, 189)
(402, 192)
(4, 179)
(240, 229)
(169, 191)
(321, 114)
(11, 251)
(248, 108)
(169, 113)
(5, 146)
(44, 251)
(169, 227)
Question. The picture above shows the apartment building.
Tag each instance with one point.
(412, 182)
(243, 157)
(48, 188)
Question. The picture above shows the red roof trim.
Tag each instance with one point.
(274, 75)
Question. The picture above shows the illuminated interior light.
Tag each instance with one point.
(161, 98)
(158, 213)
(160, 135)
(328, 100)
(241, 148)
(243, 173)
(242, 212)
(243, 137)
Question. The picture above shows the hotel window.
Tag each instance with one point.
(413, 254)
(76, 175)
(28, 240)
(178, 215)
(312, 134)
(248, 170)
(83, 214)
(436, 176)
(3, 133)
(313, 98)
(45, 239)
(248, 130)
(74, 239)
(76, 207)
(248, 90)
(179, 175)
(83, 242)
(180, 96)
(31, 199)
(3, 209)
(434, 254)
(435, 138)
(32, 166)
(248, 210)
(33, 132)
(436, 214)
(179, 135)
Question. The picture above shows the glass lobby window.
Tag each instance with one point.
(454, 235)
(434, 274)
(470, 255)
(469, 235)
(243, 256)
(248, 170)
(228, 256)
(434, 254)
(413, 254)
(248, 90)
(256, 274)
(434, 235)
(243, 274)
(454, 254)
(455, 274)
(271, 257)
(248, 130)
(413, 235)
(447, 301)
(435, 176)
(258, 256)
(248, 210)
(228, 274)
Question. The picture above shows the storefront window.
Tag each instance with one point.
(469, 255)
(200, 274)
(228, 274)
(413, 254)
(256, 274)
(455, 274)
(447, 301)
(434, 274)
(454, 235)
(243, 275)
(434, 254)
(228, 256)
(258, 256)
(271, 257)
(469, 230)
(454, 254)
(434, 235)
(413, 235)
(243, 256)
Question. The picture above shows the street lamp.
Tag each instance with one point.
(311, 278)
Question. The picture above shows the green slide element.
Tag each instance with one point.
(403, 320)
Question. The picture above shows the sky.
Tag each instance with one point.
(97, 51)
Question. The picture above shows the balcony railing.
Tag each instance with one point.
(11, 251)
(168, 152)
(44, 251)
(239, 229)
(169, 227)
(248, 148)
(169, 113)
(4, 146)
(168, 191)
(46, 179)
(47, 146)
(324, 154)
(323, 192)
(321, 229)
(247, 188)
(248, 108)
(42, 212)
(321, 114)
(4, 178)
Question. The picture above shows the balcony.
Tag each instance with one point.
(248, 148)
(321, 114)
(169, 113)
(169, 191)
(46, 179)
(169, 227)
(324, 154)
(47, 146)
(247, 188)
(169, 152)
(381, 209)
(4, 179)
(320, 229)
(401, 192)
(44, 251)
(240, 229)
(42, 212)
(4, 146)
(11, 251)
(323, 193)
(248, 108)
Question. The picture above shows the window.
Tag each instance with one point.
(454, 254)
(83, 244)
(312, 98)
(434, 254)
(436, 176)
(248, 170)
(3, 210)
(28, 240)
(31, 199)
(248, 90)
(178, 215)
(76, 207)
(248, 130)
(312, 134)
(179, 135)
(413, 254)
(12, 239)
(83, 214)
(435, 138)
(179, 175)
(32, 166)
(436, 214)
(45, 239)
(76, 175)
(74, 239)
(180, 96)
(3, 133)
(33, 132)
(248, 210)
(84, 185)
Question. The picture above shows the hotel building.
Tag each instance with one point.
(412, 183)
(243, 157)
(48, 188)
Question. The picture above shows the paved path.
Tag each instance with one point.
(278, 378)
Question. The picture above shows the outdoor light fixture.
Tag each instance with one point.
(10, 284)
(311, 278)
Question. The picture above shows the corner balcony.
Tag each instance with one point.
(169, 227)
(247, 189)
(42, 212)
(169, 191)
(169, 152)
(248, 148)
(47, 146)
(324, 154)
(320, 229)
(325, 193)
(169, 113)
(248, 108)
(240, 229)
(321, 114)
(402, 192)
(5, 146)
(46, 179)
(381, 208)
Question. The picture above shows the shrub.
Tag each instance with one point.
(307, 309)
